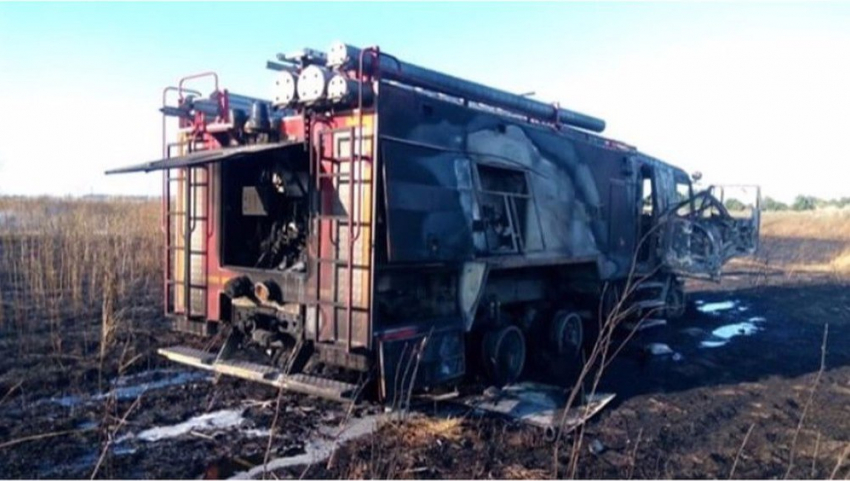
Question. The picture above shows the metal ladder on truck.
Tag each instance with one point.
(340, 250)
(185, 224)
(186, 228)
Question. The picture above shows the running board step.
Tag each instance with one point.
(303, 383)
(650, 304)
(644, 324)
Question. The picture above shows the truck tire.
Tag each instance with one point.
(504, 354)
(566, 334)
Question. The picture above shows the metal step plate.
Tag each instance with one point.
(187, 355)
(650, 304)
(303, 383)
(539, 405)
(644, 324)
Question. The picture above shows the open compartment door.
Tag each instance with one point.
(202, 157)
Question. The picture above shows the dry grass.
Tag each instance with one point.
(822, 224)
(803, 243)
(66, 262)
(516, 471)
(841, 262)
(420, 431)
(80, 281)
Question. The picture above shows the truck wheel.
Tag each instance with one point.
(566, 334)
(504, 354)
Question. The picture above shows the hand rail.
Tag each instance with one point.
(195, 77)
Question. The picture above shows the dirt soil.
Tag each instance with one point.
(717, 395)
(59, 417)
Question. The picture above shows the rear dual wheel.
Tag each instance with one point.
(566, 334)
(563, 357)
(504, 349)
(504, 354)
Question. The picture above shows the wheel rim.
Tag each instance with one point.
(505, 354)
(567, 333)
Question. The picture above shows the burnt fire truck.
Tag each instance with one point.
(381, 218)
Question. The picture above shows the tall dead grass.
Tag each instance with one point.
(819, 224)
(803, 244)
(67, 263)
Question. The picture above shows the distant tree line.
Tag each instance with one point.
(800, 203)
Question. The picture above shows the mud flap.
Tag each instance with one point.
(412, 363)
(540, 405)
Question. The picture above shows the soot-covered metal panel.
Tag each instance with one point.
(428, 137)
(425, 205)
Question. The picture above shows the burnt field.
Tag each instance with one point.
(754, 382)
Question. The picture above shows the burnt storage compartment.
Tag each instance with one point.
(264, 211)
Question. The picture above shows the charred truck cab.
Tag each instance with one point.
(380, 218)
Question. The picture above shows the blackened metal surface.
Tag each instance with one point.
(579, 200)
(582, 202)
(426, 200)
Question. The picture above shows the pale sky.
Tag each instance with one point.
(744, 93)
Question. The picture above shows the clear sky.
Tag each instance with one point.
(745, 93)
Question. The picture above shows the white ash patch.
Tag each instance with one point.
(213, 421)
(659, 349)
(318, 449)
(722, 335)
(716, 307)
